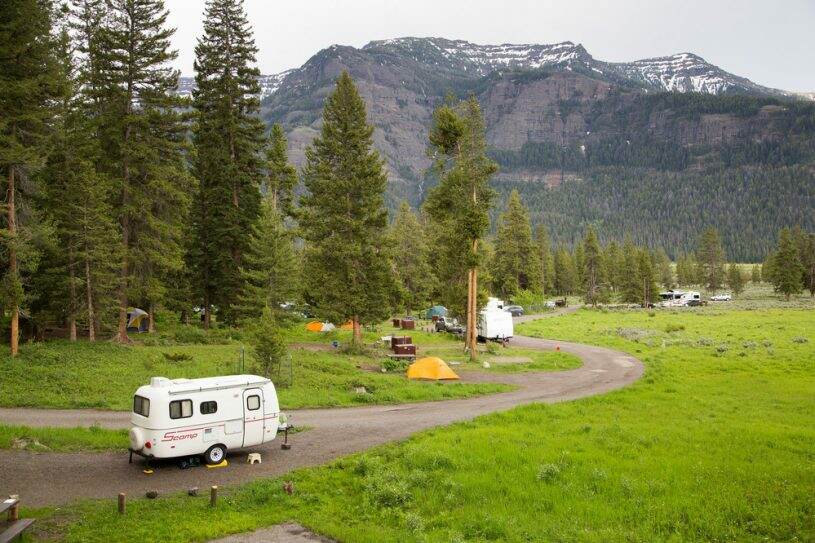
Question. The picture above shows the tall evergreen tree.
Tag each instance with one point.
(631, 291)
(411, 258)
(228, 138)
(271, 268)
(613, 261)
(787, 271)
(594, 283)
(461, 202)
(343, 217)
(27, 85)
(646, 278)
(565, 277)
(281, 177)
(735, 280)
(517, 263)
(808, 263)
(755, 274)
(544, 246)
(76, 198)
(710, 256)
(663, 264)
(143, 146)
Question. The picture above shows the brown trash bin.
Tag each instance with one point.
(400, 340)
(405, 348)
(397, 322)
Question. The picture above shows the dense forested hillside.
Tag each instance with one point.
(583, 141)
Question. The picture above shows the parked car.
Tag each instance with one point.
(550, 304)
(516, 310)
(721, 298)
(449, 324)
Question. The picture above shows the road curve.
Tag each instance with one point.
(57, 478)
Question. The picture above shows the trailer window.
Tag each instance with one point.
(141, 406)
(253, 403)
(180, 409)
(208, 408)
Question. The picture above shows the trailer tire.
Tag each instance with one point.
(215, 454)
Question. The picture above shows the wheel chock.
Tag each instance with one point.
(223, 464)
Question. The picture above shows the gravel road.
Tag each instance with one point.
(58, 478)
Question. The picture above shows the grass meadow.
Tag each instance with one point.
(715, 443)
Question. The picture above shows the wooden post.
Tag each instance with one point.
(122, 505)
(14, 512)
(213, 496)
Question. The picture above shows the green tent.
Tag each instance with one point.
(436, 311)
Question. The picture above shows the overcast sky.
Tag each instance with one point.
(771, 42)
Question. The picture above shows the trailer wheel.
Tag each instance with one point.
(215, 454)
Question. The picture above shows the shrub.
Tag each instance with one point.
(799, 339)
(671, 328)
(548, 473)
(395, 364)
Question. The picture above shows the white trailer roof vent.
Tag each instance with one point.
(158, 382)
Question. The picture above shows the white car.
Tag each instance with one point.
(721, 298)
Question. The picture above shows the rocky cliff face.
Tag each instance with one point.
(555, 94)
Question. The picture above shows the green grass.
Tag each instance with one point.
(506, 360)
(715, 443)
(60, 374)
(91, 438)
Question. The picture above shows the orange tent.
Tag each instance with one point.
(347, 326)
(430, 367)
(317, 326)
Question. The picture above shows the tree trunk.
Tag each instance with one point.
(151, 319)
(12, 263)
(207, 314)
(89, 295)
(357, 339)
(72, 294)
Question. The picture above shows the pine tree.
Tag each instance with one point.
(143, 147)
(269, 345)
(808, 262)
(646, 278)
(544, 246)
(710, 256)
(787, 270)
(631, 291)
(27, 84)
(613, 264)
(76, 199)
(281, 177)
(517, 264)
(411, 259)
(663, 264)
(565, 277)
(461, 202)
(755, 274)
(735, 280)
(228, 138)
(594, 287)
(270, 266)
(343, 217)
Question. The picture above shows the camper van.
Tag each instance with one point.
(190, 417)
(679, 298)
(494, 322)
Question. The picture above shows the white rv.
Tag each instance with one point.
(188, 417)
(495, 322)
(679, 298)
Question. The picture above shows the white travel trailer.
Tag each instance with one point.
(189, 417)
(494, 322)
(679, 298)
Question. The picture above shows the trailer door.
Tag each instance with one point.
(253, 422)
